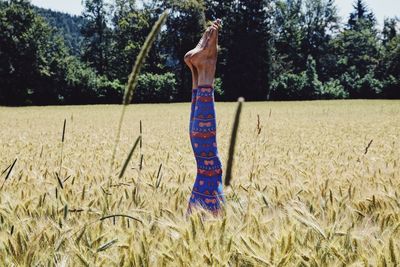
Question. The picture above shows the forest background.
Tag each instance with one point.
(269, 50)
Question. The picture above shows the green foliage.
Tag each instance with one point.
(288, 86)
(366, 86)
(358, 53)
(36, 67)
(296, 86)
(131, 27)
(246, 52)
(390, 68)
(83, 85)
(333, 90)
(305, 85)
(305, 28)
(283, 49)
(66, 25)
(359, 49)
(219, 92)
(28, 55)
(290, 36)
(96, 34)
(141, 58)
(361, 18)
(391, 87)
(389, 31)
(156, 88)
(313, 86)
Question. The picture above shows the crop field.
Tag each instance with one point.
(314, 184)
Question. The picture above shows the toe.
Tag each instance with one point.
(207, 36)
(217, 23)
(214, 31)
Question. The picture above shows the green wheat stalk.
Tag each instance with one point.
(133, 77)
(228, 172)
(62, 145)
(9, 168)
(121, 215)
(140, 146)
(129, 157)
(107, 245)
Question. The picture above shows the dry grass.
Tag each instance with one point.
(306, 194)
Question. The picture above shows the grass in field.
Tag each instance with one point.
(305, 191)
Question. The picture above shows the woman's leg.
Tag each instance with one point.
(207, 190)
(194, 92)
(192, 109)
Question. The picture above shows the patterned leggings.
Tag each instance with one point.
(207, 189)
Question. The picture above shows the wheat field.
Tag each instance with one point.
(314, 184)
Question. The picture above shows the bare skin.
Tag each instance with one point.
(188, 62)
(202, 59)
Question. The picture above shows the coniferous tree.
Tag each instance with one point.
(248, 57)
(389, 68)
(129, 31)
(313, 86)
(289, 36)
(361, 17)
(303, 29)
(358, 52)
(321, 23)
(389, 31)
(96, 35)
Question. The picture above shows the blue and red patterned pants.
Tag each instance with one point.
(207, 189)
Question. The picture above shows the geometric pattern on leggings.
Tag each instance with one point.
(207, 189)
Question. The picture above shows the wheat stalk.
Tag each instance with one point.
(229, 165)
(134, 76)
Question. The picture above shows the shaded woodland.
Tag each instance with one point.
(269, 50)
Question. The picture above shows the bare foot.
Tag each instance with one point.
(206, 49)
(204, 56)
(190, 54)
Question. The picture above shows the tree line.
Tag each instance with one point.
(269, 50)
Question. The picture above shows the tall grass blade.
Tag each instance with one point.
(134, 76)
(82, 260)
(65, 211)
(140, 146)
(228, 172)
(141, 133)
(62, 144)
(392, 252)
(6, 169)
(8, 173)
(120, 215)
(158, 180)
(11, 168)
(79, 237)
(59, 181)
(107, 245)
(141, 162)
(63, 132)
(367, 147)
(129, 157)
